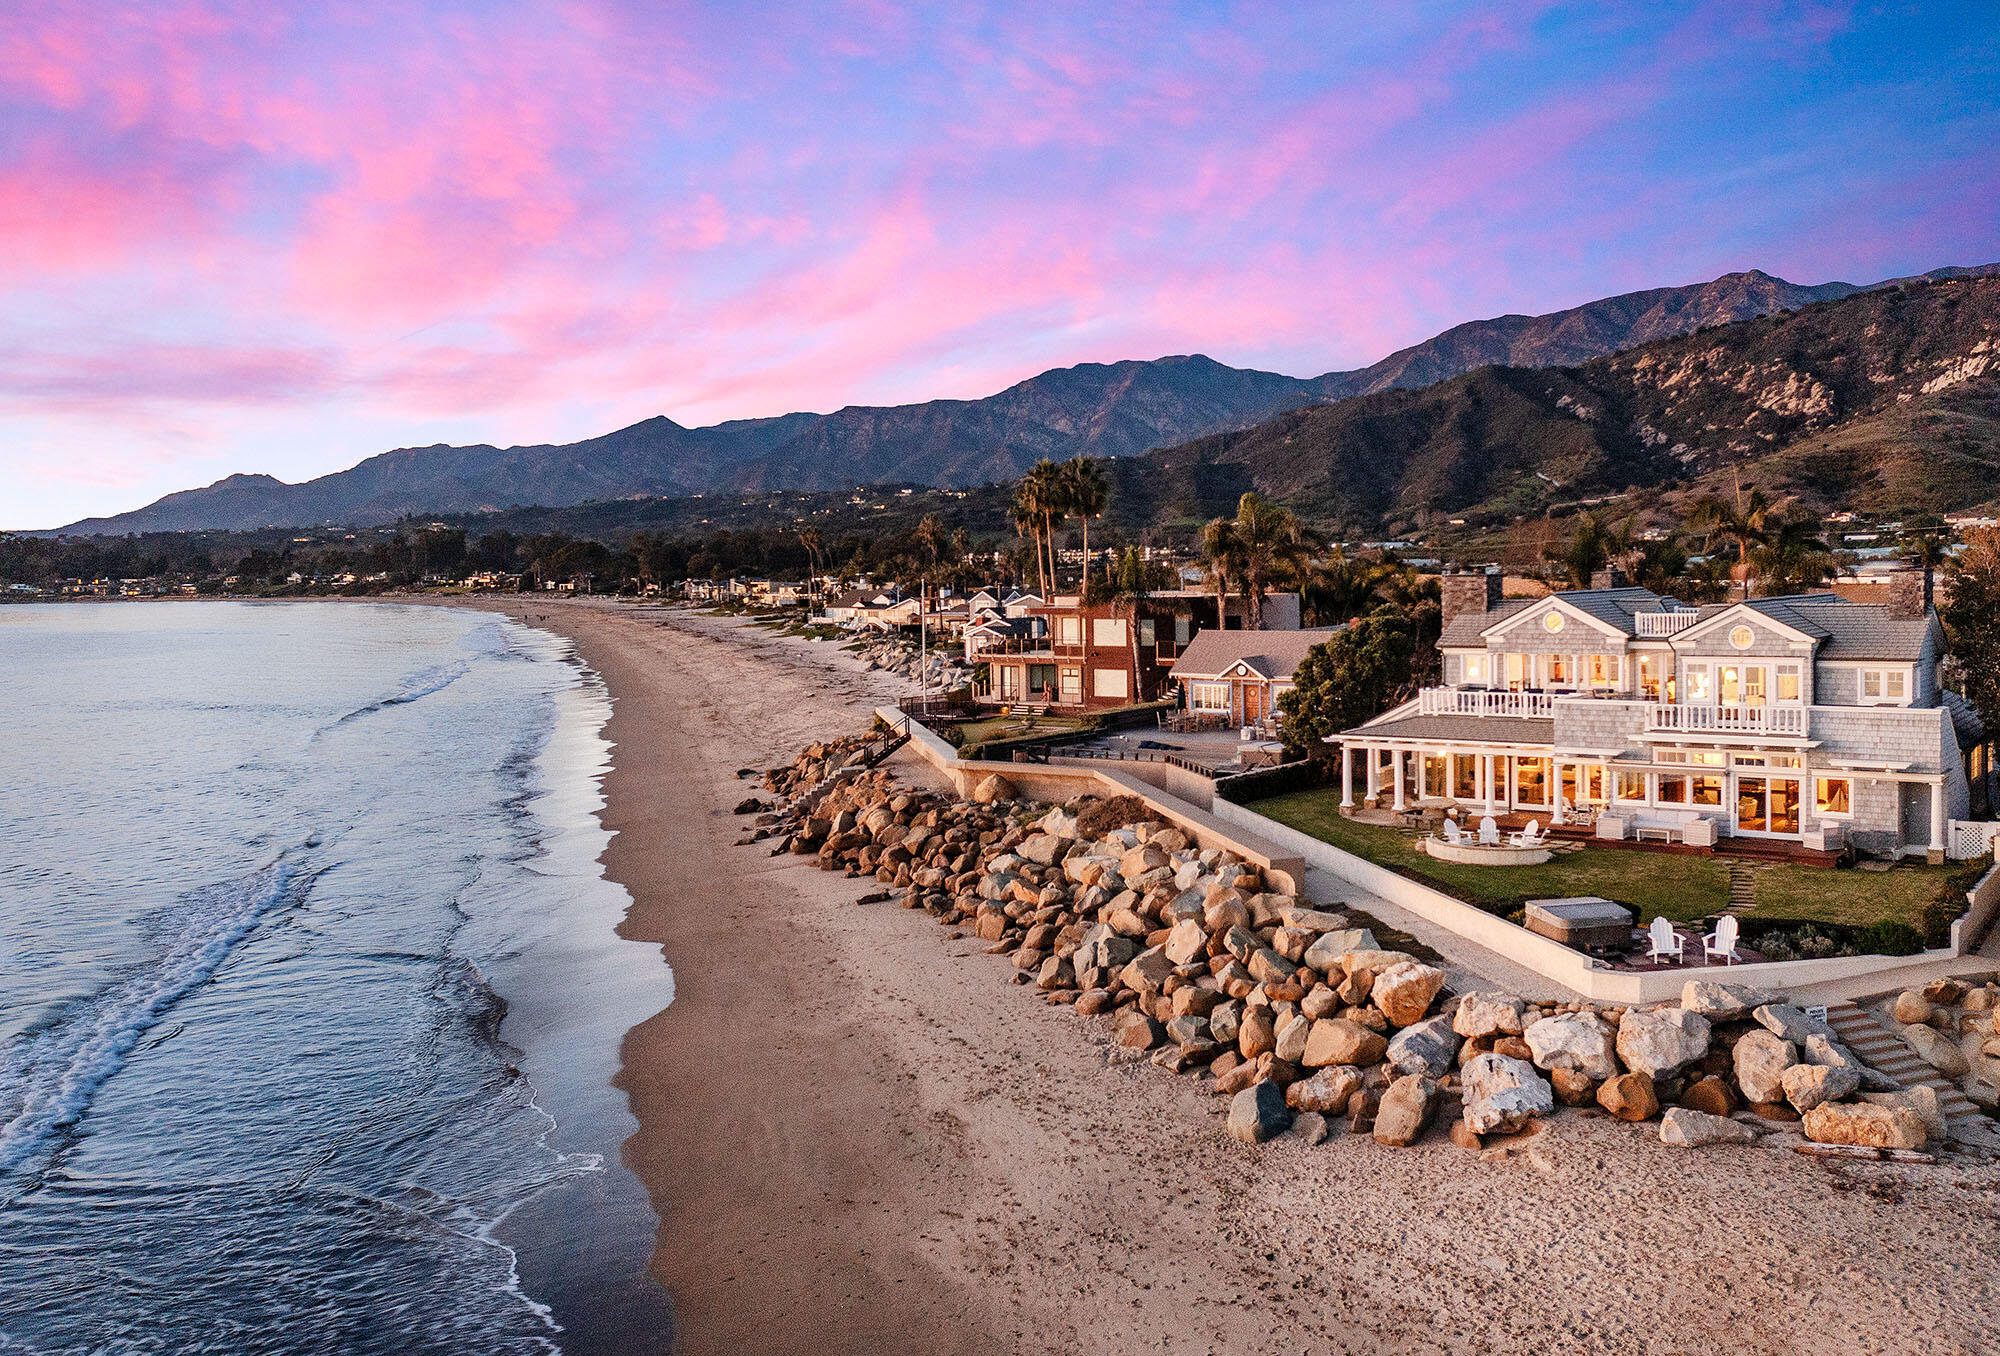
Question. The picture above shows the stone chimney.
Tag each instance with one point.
(1613, 578)
(1910, 593)
(1463, 593)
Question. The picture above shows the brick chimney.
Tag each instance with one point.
(1613, 578)
(1910, 593)
(1463, 593)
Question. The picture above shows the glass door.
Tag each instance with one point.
(1767, 804)
(1750, 809)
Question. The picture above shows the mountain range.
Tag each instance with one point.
(1116, 410)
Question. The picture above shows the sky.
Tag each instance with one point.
(280, 237)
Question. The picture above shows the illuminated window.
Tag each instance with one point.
(1475, 669)
(1552, 622)
(1697, 682)
(1631, 785)
(1673, 788)
(1831, 795)
(1742, 637)
(1707, 791)
(1788, 682)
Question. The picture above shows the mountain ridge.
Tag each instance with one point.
(1115, 410)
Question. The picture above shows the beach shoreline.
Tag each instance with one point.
(858, 1136)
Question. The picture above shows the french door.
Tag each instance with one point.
(1767, 804)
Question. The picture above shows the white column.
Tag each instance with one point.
(1346, 776)
(1374, 772)
(1397, 773)
(1486, 769)
(1937, 816)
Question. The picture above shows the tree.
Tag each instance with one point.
(1971, 617)
(1085, 491)
(1347, 680)
(1792, 559)
(1746, 523)
(1338, 589)
(1038, 499)
(1221, 552)
(1587, 551)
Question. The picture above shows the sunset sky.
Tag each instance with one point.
(280, 237)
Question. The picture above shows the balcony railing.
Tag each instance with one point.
(1455, 701)
(1654, 625)
(1703, 720)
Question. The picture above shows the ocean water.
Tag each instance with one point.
(310, 996)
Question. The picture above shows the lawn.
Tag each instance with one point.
(1684, 888)
(1008, 727)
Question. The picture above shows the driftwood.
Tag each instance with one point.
(1863, 1151)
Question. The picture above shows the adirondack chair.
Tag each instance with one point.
(1452, 833)
(1722, 941)
(1489, 832)
(1532, 836)
(1666, 943)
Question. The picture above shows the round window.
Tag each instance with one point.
(1553, 622)
(1742, 637)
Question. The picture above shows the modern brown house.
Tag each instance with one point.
(1103, 655)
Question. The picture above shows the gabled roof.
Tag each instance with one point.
(1267, 654)
(1848, 630)
(1468, 629)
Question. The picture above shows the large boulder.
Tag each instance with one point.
(1325, 952)
(1224, 1021)
(1148, 971)
(1372, 960)
(1662, 1042)
(1314, 920)
(1502, 1094)
(1336, 1040)
(1058, 823)
(1405, 1110)
(1937, 1050)
(1629, 1097)
(1760, 1061)
(1429, 1048)
(1042, 849)
(1920, 1098)
(1912, 1007)
(1791, 1023)
(1134, 1030)
(1257, 1033)
(1722, 1002)
(1259, 1112)
(1576, 1041)
(1404, 992)
(1488, 1014)
(1688, 1129)
(1809, 1085)
(992, 788)
(1101, 946)
(1186, 942)
(1865, 1124)
(1291, 1046)
(1326, 1091)
(1268, 967)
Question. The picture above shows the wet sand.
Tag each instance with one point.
(860, 1138)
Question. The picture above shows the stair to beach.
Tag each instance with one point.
(1742, 888)
(1877, 1045)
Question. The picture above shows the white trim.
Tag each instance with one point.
(1534, 612)
(1734, 615)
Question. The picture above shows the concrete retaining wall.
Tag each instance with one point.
(1971, 927)
(1551, 959)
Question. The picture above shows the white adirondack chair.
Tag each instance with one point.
(1532, 836)
(1722, 941)
(1452, 833)
(1666, 943)
(1489, 832)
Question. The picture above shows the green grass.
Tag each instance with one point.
(1684, 888)
(1008, 727)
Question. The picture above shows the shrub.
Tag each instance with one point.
(1889, 939)
(1099, 817)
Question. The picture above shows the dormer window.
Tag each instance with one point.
(1884, 687)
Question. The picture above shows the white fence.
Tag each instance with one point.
(1453, 701)
(1970, 838)
(1691, 719)
(1668, 623)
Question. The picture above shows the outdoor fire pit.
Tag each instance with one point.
(1585, 922)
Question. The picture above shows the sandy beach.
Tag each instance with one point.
(860, 1137)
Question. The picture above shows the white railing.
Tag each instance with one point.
(1455, 701)
(1693, 719)
(1671, 622)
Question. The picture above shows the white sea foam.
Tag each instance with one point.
(47, 1080)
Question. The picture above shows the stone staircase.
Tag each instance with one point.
(1877, 1045)
(1742, 888)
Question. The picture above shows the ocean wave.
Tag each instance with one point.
(415, 688)
(49, 1077)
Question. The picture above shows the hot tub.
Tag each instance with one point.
(1584, 922)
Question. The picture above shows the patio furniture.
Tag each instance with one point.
(1585, 922)
(1722, 941)
(1489, 832)
(1611, 828)
(1666, 943)
(1452, 833)
(1699, 833)
(1532, 836)
(1665, 833)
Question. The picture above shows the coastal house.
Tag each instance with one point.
(1096, 656)
(1811, 720)
(1237, 676)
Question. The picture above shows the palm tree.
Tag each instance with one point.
(1027, 515)
(1338, 589)
(1793, 558)
(1085, 491)
(1273, 549)
(1586, 552)
(930, 536)
(810, 539)
(1747, 523)
(1221, 551)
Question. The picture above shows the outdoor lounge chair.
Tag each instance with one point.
(1452, 833)
(1666, 943)
(1532, 836)
(1489, 832)
(1722, 941)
